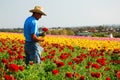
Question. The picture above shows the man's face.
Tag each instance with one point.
(38, 16)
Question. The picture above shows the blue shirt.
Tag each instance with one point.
(30, 27)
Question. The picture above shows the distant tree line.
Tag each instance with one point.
(17, 30)
(95, 31)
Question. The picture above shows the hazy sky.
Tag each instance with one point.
(61, 13)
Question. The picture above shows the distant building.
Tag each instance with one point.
(84, 34)
(110, 31)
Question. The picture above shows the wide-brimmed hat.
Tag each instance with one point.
(38, 9)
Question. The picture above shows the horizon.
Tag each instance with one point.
(114, 25)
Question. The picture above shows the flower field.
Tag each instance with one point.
(63, 58)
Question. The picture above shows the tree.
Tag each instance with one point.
(70, 32)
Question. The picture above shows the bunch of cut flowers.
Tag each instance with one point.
(42, 31)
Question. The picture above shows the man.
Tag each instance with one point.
(32, 39)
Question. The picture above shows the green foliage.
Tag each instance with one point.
(49, 66)
(99, 35)
(62, 32)
(70, 32)
(116, 34)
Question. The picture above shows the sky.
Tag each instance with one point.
(61, 13)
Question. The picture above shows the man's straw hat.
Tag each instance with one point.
(38, 9)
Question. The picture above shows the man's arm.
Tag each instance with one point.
(36, 39)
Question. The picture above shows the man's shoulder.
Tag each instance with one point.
(30, 19)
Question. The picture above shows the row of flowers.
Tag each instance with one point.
(88, 42)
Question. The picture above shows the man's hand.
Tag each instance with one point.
(41, 39)
(42, 34)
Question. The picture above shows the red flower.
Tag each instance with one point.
(101, 61)
(116, 71)
(62, 56)
(52, 52)
(69, 75)
(55, 71)
(43, 59)
(55, 61)
(31, 62)
(1, 50)
(70, 63)
(4, 60)
(118, 75)
(9, 77)
(87, 67)
(76, 60)
(13, 67)
(82, 77)
(10, 52)
(20, 57)
(108, 78)
(107, 69)
(45, 29)
(21, 68)
(76, 75)
(96, 66)
(60, 64)
(11, 59)
(89, 63)
(92, 74)
(97, 74)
